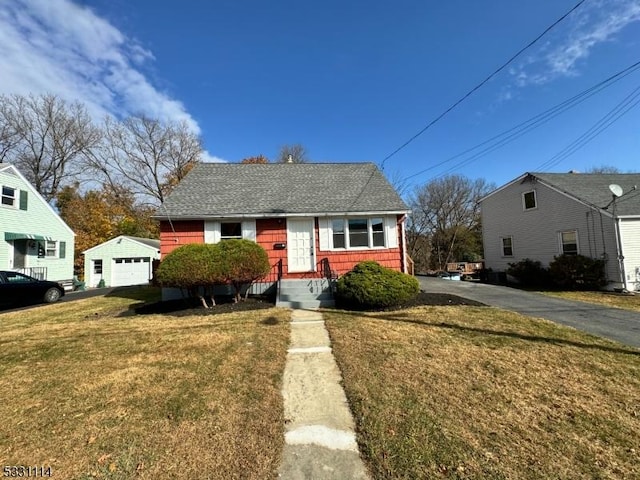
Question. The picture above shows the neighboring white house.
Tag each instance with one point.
(121, 261)
(542, 215)
(33, 238)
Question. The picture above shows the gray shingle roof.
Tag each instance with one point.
(150, 242)
(235, 189)
(593, 188)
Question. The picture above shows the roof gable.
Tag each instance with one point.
(10, 169)
(589, 188)
(150, 243)
(233, 189)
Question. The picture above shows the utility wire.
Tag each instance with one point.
(470, 92)
(508, 136)
(621, 109)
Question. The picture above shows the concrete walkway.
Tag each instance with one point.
(320, 442)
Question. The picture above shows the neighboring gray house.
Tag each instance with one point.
(542, 215)
(121, 261)
(33, 238)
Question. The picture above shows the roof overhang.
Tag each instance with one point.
(280, 215)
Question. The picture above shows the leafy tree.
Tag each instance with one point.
(46, 138)
(99, 215)
(244, 262)
(297, 153)
(446, 216)
(147, 156)
(196, 268)
(261, 159)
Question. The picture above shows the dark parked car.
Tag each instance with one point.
(17, 288)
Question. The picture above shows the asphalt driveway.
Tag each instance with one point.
(616, 324)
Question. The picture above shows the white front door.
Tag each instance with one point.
(300, 245)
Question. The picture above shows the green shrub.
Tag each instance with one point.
(243, 262)
(195, 268)
(371, 286)
(577, 272)
(529, 273)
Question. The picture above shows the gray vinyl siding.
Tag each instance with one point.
(37, 218)
(630, 235)
(536, 232)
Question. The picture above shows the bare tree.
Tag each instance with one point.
(46, 138)
(295, 153)
(604, 169)
(446, 217)
(146, 156)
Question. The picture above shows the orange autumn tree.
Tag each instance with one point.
(99, 215)
(258, 159)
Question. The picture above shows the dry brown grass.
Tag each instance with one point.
(96, 393)
(608, 299)
(468, 392)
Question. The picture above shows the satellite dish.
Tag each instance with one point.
(616, 190)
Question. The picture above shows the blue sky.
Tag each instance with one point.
(351, 81)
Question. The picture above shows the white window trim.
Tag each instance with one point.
(535, 199)
(213, 234)
(347, 247)
(56, 249)
(16, 197)
(561, 244)
(502, 254)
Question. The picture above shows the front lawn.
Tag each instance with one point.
(608, 299)
(470, 392)
(95, 392)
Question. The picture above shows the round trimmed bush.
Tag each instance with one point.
(190, 266)
(370, 286)
(243, 262)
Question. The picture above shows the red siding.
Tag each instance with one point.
(271, 231)
(182, 233)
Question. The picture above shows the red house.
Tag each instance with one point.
(311, 218)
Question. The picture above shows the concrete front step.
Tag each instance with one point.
(305, 293)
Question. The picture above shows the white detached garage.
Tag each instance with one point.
(121, 261)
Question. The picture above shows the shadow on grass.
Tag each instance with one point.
(494, 333)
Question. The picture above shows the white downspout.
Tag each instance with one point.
(404, 244)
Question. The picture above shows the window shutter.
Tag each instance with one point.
(211, 231)
(249, 230)
(24, 196)
(324, 233)
(63, 249)
(391, 232)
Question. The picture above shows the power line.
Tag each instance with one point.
(512, 134)
(611, 117)
(470, 92)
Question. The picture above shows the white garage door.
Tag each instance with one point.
(130, 271)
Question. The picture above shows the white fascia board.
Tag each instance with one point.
(279, 215)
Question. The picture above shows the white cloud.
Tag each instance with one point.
(592, 24)
(57, 46)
